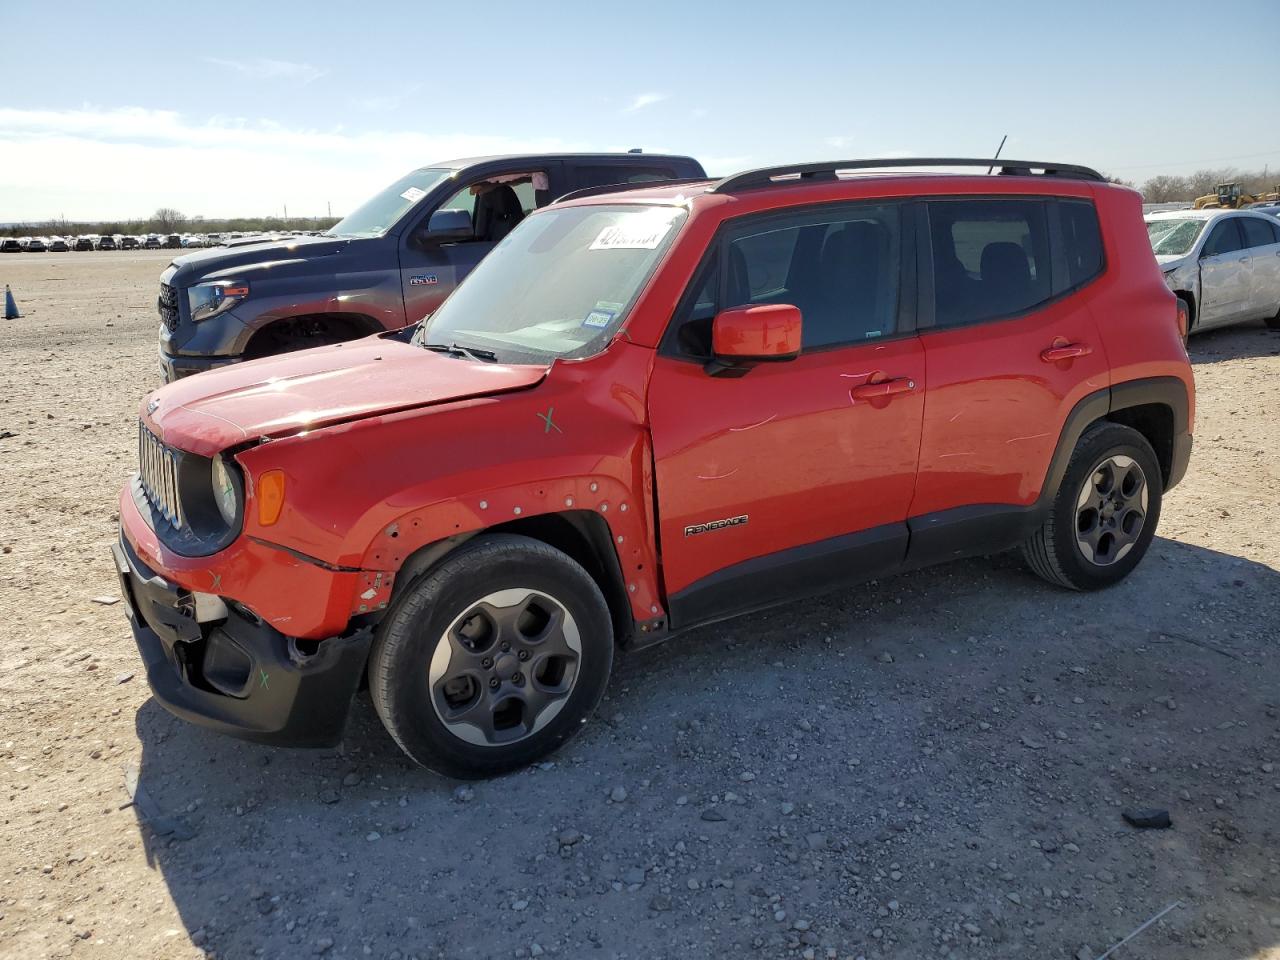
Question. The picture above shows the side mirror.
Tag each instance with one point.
(741, 337)
(447, 226)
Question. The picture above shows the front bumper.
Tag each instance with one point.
(238, 675)
(176, 367)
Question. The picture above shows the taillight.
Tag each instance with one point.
(1184, 318)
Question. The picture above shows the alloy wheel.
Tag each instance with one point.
(505, 667)
(1111, 510)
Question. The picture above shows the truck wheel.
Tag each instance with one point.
(493, 659)
(1104, 513)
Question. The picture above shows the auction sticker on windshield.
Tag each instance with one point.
(414, 194)
(641, 231)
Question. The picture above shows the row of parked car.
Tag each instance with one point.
(149, 241)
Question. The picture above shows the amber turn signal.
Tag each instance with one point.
(270, 497)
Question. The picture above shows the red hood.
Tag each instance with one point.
(278, 396)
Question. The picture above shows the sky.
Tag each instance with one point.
(248, 108)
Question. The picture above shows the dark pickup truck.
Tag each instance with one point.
(388, 264)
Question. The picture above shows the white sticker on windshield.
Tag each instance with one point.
(414, 194)
(636, 232)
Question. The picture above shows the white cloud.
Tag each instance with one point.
(124, 162)
(642, 100)
(838, 142)
(264, 68)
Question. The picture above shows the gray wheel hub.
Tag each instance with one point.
(1111, 510)
(505, 667)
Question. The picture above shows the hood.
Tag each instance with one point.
(216, 262)
(279, 396)
(1168, 261)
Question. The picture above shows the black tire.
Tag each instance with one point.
(1055, 553)
(452, 601)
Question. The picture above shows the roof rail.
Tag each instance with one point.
(623, 187)
(826, 170)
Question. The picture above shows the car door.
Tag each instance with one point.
(1262, 244)
(1010, 346)
(1224, 275)
(799, 472)
(430, 272)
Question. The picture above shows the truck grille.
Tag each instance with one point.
(168, 307)
(158, 473)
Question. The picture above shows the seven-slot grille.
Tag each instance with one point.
(158, 472)
(168, 307)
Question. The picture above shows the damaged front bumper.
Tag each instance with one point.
(218, 665)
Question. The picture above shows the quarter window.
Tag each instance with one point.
(1224, 239)
(991, 259)
(1081, 240)
(603, 176)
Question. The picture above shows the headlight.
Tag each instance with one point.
(210, 299)
(225, 491)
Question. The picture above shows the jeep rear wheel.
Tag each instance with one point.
(1104, 513)
(492, 660)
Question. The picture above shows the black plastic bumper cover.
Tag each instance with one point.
(238, 676)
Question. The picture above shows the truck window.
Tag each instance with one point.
(605, 174)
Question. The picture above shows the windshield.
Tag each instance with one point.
(376, 216)
(559, 285)
(1173, 237)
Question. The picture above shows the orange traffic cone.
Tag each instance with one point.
(10, 306)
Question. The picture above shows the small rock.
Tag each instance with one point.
(972, 929)
(463, 794)
(535, 950)
(660, 903)
(106, 601)
(1106, 876)
(633, 877)
(351, 779)
(1084, 953)
(1268, 767)
(618, 794)
(1013, 898)
(568, 838)
(885, 657)
(787, 809)
(1031, 743)
(520, 905)
(373, 836)
(323, 945)
(746, 776)
(801, 925)
(329, 796)
(124, 677)
(713, 815)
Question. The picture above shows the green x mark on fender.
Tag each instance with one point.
(550, 424)
(262, 679)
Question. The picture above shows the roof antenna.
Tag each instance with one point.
(997, 156)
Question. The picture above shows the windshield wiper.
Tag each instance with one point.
(455, 350)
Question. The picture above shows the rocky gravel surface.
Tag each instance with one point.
(935, 765)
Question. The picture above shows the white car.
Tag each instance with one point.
(1224, 263)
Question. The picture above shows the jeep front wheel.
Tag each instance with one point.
(492, 660)
(1104, 513)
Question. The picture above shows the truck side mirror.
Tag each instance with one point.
(447, 226)
(741, 337)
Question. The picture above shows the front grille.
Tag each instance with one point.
(158, 473)
(168, 307)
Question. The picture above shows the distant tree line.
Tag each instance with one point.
(1167, 189)
(165, 221)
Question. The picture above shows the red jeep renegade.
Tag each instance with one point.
(648, 409)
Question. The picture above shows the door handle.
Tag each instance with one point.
(1065, 351)
(885, 388)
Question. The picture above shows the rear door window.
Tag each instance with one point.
(603, 175)
(990, 259)
(1257, 232)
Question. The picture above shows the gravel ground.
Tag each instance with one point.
(929, 766)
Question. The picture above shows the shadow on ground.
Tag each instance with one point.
(1233, 343)
(929, 765)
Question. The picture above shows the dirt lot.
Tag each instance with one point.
(930, 766)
